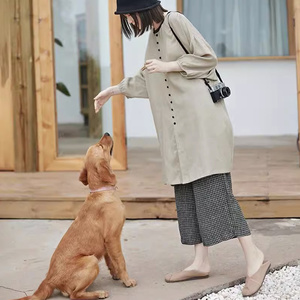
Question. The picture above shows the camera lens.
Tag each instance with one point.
(225, 91)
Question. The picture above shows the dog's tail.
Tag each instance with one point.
(44, 291)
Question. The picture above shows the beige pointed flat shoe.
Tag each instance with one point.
(254, 283)
(185, 275)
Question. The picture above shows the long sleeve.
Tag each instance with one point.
(201, 60)
(134, 87)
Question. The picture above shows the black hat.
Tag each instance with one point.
(132, 6)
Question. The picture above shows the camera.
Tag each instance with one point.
(219, 92)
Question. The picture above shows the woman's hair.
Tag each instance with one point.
(147, 17)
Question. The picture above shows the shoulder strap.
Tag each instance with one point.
(176, 35)
(206, 81)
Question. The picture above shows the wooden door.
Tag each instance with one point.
(48, 159)
(6, 110)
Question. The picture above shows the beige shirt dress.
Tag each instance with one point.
(194, 133)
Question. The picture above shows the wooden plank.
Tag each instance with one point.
(251, 209)
(139, 209)
(93, 67)
(45, 82)
(150, 210)
(271, 209)
(39, 209)
(117, 74)
(291, 27)
(23, 85)
(297, 35)
(71, 163)
(66, 164)
(273, 193)
(7, 151)
(180, 6)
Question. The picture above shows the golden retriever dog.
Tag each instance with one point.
(94, 234)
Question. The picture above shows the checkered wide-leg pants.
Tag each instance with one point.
(208, 212)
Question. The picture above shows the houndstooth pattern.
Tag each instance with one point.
(208, 212)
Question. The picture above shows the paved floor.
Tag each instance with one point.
(151, 248)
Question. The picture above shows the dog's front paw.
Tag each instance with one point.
(115, 276)
(130, 283)
(102, 294)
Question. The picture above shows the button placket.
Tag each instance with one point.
(171, 102)
(157, 43)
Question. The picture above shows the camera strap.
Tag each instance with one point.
(187, 52)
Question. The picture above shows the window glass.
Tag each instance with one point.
(241, 28)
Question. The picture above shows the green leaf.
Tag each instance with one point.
(63, 89)
(58, 42)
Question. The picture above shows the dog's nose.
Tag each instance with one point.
(107, 134)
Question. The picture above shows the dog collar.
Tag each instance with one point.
(103, 189)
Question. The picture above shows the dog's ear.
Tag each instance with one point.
(83, 176)
(105, 173)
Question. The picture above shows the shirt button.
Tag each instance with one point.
(172, 109)
(173, 117)
(174, 123)
(171, 102)
(169, 95)
(157, 43)
(156, 34)
(166, 80)
(160, 57)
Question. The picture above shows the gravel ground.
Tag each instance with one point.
(279, 285)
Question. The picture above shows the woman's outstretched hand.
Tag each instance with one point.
(101, 99)
(104, 96)
(158, 66)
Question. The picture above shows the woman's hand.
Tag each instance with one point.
(101, 99)
(104, 96)
(158, 66)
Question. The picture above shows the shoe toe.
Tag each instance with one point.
(246, 291)
(254, 283)
(168, 277)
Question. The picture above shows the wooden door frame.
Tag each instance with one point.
(7, 92)
(23, 86)
(297, 42)
(45, 92)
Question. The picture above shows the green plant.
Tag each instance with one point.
(60, 86)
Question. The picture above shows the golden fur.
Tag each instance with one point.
(94, 234)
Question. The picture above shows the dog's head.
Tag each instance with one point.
(97, 171)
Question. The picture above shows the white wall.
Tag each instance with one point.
(264, 96)
(263, 101)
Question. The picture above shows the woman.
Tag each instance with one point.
(194, 133)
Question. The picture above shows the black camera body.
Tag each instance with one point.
(219, 92)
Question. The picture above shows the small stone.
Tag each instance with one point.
(283, 285)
